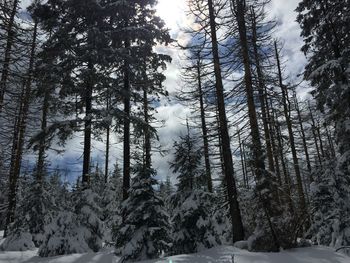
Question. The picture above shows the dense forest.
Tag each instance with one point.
(263, 157)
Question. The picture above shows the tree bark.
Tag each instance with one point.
(242, 159)
(126, 135)
(87, 130)
(147, 135)
(237, 225)
(107, 140)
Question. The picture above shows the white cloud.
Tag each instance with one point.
(288, 31)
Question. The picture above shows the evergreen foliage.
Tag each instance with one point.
(144, 230)
(193, 227)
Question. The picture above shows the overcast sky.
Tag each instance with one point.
(172, 113)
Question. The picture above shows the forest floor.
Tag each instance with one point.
(220, 254)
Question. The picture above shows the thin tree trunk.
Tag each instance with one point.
(107, 154)
(237, 225)
(147, 135)
(313, 128)
(283, 162)
(87, 131)
(126, 136)
(107, 140)
(286, 110)
(303, 137)
(242, 159)
(245, 166)
(261, 87)
(204, 131)
(7, 53)
(271, 123)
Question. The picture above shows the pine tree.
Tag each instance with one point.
(325, 26)
(193, 227)
(143, 233)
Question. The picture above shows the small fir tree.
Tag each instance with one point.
(143, 233)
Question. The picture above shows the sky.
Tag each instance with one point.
(171, 112)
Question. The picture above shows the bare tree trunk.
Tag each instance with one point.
(147, 135)
(313, 128)
(204, 130)
(271, 123)
(242, 158)
(286, 110)
(22, 124)
(237, 225)
(261, 174)
(7, 53)
(107, 140)
(283, 162)
(261, 87)
(303, 137)
(126, 136)
(87, 130)
(245, 166)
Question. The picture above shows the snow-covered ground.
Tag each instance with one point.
(222, 254)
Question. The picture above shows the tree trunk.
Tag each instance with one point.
(313, 129)
(7, 53)
(303, 137)
(263, 178)
(107, 140)
(147, 135)
(87, 130)
(204, 130)
(237, 225)
(242, 158)
(261, 88)
(286, 111)
(126, 135)
(15, 168)
(270, 121)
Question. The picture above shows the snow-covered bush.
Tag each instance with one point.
(18, 241)
(143, 232)
(88, 214)
(63, 236)
(75, 231)
(36, 208)
(193, 227)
